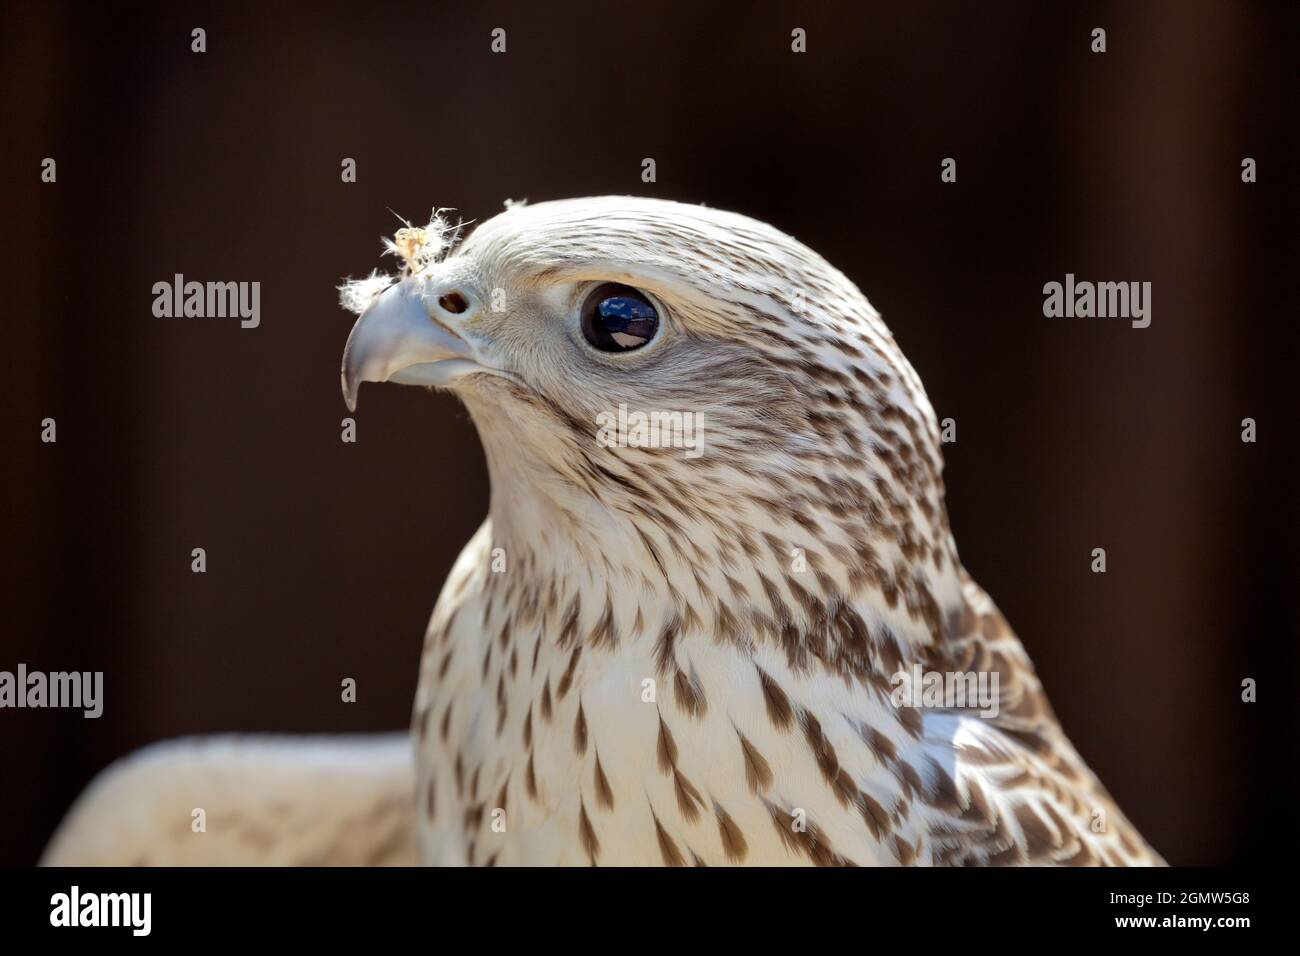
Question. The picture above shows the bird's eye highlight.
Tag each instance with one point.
(618, 318)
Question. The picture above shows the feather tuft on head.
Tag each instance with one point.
(420, 246)
(355, 295)
(417, 246)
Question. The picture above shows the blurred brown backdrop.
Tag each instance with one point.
(324, 559)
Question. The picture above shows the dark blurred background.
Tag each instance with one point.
(324, 558)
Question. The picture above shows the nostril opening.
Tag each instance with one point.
(454, 302)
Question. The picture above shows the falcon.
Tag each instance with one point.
(690, 653)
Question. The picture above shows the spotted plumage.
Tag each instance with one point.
(649, 658)
(648, 655)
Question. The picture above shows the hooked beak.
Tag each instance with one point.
(397, 340)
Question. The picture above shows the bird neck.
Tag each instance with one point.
(820, 554)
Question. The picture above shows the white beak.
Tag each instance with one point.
(397, 340)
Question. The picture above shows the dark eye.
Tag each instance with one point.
(617, 318)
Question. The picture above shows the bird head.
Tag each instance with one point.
(656, 381)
